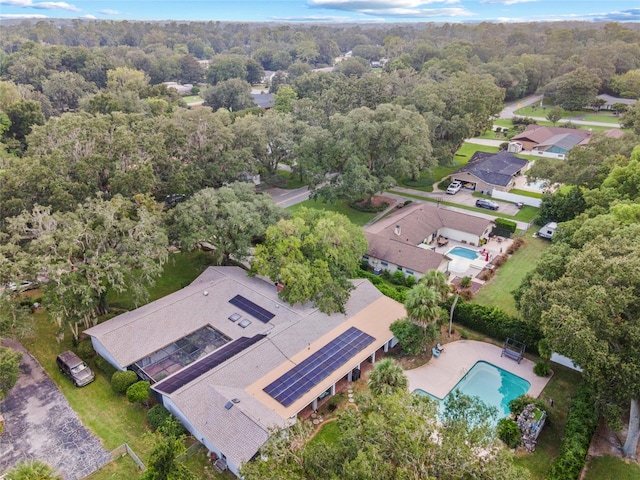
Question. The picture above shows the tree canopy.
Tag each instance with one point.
(312, 255)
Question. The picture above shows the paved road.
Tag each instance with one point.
(286, 198)
(508, 111)
(40, 424)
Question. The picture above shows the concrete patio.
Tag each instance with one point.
(441, 374)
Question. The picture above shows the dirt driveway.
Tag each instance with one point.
(40, 424)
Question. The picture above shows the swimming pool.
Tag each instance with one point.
(464, 253)
(495, 387)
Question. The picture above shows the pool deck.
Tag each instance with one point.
(441, 374)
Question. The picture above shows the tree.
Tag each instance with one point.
(65, 89)
(227, 67)
(561, 206)
(387, 377)
(587, 303)
(231, 219)
(312, 255)
(631, 118)
(104, 244)
(162, 463)
(32, 470)
(394, 436)
(577, 89)
(9, 370)
(410, 336)
(190, 70)
(423, 300)
(555, 114)
(23, 115)
(284, 99)
(598, 103)
(233, 94)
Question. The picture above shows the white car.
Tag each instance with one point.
(454, 187)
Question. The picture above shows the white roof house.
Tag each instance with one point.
(232, 361)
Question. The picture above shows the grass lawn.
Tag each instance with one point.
(329, 433)
(340, 206)
(508, 277)
(290, 180)
(192, 98)
(526, 193)
(601, 117)
(612, 467)
(561, 388)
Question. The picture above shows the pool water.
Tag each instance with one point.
(463, 252)
(495, 387)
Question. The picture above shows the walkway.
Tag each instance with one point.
(440, 375)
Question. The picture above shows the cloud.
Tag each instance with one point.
(506, 2)
(394, 8)
(89, 16)
(630, 15)
(41, 5)
(21, 15)
(106, 11)
(325, 19)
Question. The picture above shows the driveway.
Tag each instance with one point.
(40, 424)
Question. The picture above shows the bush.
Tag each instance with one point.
(444, 183)
(466, 294)
(122, 380)
(410, 336)
(398, 278)
(486, 274)
(105, 367)
(157, 415)
(523, 121)
(516, 406)
(333, 403)
(507, 225)
(368, 206)
(582, 422)
(542, 369)
(410, 281)
(85, 350)
(496, 323)
(500, 260)
(509, 432)
(138, 392)
(465, 282)
(9, 369)
(515, 245)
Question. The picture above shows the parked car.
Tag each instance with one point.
(73, 367)
(486, 203)
(454, 187)
(22, 286)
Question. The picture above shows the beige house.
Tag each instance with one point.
(405, 240)
(229, 359)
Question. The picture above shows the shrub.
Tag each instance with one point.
(582, 422)
(515, 245)
(464, 335)
(507, 225)
(486, 274)
(542, 369)
(410, 281)
(465, 282)
(105, 367)
(122, 380)
(407, 202)
(496, 323)
(368, 206)
(138, 392)
(409, 335)
(398, 278)
(499, 260)
(85, 350)
(444, 183)
(157, 415)
(509, 432)
(466, 294)
(333, 403)
(516, 406)
(9, 369)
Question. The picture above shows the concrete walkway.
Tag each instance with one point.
(441, 374)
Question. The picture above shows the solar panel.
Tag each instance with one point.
(207, 363)
(312, 370)
(252, 309)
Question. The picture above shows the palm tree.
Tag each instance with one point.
(32, 470)
(387, 377)
(437, 280)
(423, 305)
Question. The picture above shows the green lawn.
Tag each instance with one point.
(192, 98)
(526, 193)
(329, 433)
(508, 277)
(612, 467)
(604, 118)
(340, 206)
(561, 388)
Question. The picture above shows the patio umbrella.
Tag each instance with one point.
(486, 258)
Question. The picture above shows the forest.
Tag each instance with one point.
(94, 145)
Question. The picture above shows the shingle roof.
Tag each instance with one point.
(494, 168)
(563, 140)
(539, 134)
(263, 100)
(404, 254)
(610, 99)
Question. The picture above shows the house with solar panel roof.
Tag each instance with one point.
(232, 361)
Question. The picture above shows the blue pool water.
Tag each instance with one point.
(463, 252)
(494, 386)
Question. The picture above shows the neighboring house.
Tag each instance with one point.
(611, 101)
(558, 145)
(264, 100)
(181, 89)
(405, 240)
(536, 134)
(488, 171)
(232, 361)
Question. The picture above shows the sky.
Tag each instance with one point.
(330, 11)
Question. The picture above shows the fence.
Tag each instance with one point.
(515, 198)
(125, 449)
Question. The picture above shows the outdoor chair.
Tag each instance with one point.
(435, 351)
(439, 347)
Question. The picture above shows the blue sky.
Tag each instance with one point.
(329, 11)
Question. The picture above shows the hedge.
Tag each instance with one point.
(582, 422)
(122, 380)
(496, 323)
(507, 225)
